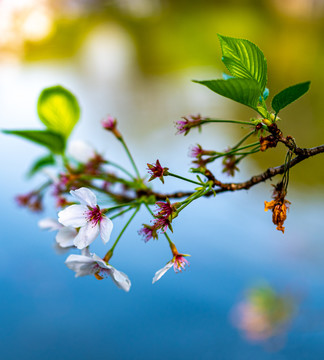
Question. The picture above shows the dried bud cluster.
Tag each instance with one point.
(278, 206)
(268, 142)
(271, 140)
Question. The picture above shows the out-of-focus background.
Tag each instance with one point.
(135, 59)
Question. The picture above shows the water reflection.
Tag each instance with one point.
(264, 314)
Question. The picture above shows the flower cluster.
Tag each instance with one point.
(89, 164)
(32, 200)
(163, 218)
(78, 226)
(63, 183)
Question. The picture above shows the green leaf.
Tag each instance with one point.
(53, 141)
(41, 163)
(244, 91)
(244, 60)
(262, 111)
(58, 109)
(288, 95)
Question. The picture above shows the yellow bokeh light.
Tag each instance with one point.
(22, 20)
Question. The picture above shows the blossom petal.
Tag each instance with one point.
(86, 235)
(85, 251)
(85, 196)
(101, 262)
(82, 265)
(120, 279)
(106, 226)
(81, 151)
(50, 224)
(65, 237)
(74, 215)
(162, 271)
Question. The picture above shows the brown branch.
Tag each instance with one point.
(220, 187)
(268, 174)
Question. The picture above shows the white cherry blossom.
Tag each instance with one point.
(87, 217)
(81, 151)
(66, 234)
(91, 264)
(178, 263)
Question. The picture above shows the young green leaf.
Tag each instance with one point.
(244, 91)
(58, 109)
(266, 93)
(244, 60)
(41, 163)
(263, 112)
(226, 76)
(288, 95)
(53, 141)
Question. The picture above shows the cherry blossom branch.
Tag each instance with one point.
(84, 170)
(254, 180)
(304, 153)
(268, 174)
(165, 234)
